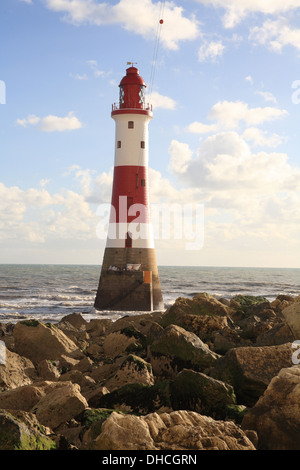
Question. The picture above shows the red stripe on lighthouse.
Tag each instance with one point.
(130, 188)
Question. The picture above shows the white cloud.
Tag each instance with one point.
(210, 51)
(249, 79)
(77, 76)
(276, 34)
(261, 138)
(181, 155)
(200, 128)
(229, 114)
(160, 101)
(237, 10)
(139, 17)
(52, 123)
(267, 96)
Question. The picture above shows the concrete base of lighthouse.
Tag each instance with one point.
(123, 288)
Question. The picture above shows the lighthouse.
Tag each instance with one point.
(129, 278)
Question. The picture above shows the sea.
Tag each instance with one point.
(50, 292)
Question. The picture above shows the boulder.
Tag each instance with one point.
(74, 320)
(198, 314)
(124, 341)
(291, 315)
(176, 349)
(178, 430)
(26, 397)
(97, 328)
(62, 404)
(276, 415)
(38, 341)
(137, 398)
(250, 369)
(196, 391)
(15, 435)
(132, 370)
(47, 370)
(16, 371)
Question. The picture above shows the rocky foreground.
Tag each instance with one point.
(204, 375)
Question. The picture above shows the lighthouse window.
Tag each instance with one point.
(130, 124)
(119, 144)
(143, 182)
(128, 241)
(142, 144)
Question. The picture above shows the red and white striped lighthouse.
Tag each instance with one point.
(129, 277)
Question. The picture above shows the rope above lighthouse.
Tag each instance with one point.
(156, 46)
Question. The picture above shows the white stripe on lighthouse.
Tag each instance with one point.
(129, 150)
(141, 234)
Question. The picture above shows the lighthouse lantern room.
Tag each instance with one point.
(129, 278)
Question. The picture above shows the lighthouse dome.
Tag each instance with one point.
(132, 77)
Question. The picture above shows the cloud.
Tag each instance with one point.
(199, 128)
(138, 17)
(160, 101)
(267, 96)
(52, 123)
(237, 10)
(276, 34)
(249, 79)
(210, 51)
(229, 114)
(260, 138)
(79, 77)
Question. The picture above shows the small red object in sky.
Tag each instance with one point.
(161, 21)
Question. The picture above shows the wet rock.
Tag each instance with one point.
(250, 369)
(16, 371)
(276, 415)
(15, 435)
(176, 349)
(132, 370)
(198, 392)
(180, 430)
(62, 404)
(38, 341)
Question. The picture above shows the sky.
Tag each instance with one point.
(223, 77)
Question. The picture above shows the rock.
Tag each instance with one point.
(26, 397)
(179, 430)
(132, 370)
(92, 421)
(16, 371)
(250, 369)
(193, 314)
(98, 327)
(196, 391)
(141, 322)
(278, 334)
(276, 415)
(291, 314)
(137, 398)
(15, 435)
(39, 341)
(124, 341)
(62, 404)
(84, 365)
(47, 370)
(175, 349)
(85, 382)
(75, 320)
(249, 304)
(94, 351)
